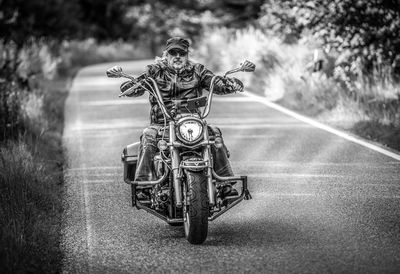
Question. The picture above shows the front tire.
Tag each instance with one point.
(196, 212)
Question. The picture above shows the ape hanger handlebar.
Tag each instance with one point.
(152, 87)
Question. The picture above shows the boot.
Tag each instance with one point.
(143, 194)
(145, 170)
(227, 191)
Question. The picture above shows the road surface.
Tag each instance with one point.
(321, 203)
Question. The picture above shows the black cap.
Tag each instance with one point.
(177, 43)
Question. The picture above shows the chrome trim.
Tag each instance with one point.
(207, 156)
(187, 118)
(203, 143)
(200, 165)
(222, 178)
(159, 215)
(175, 160)
(209, 99)
(159, 98)
(151, 183)
(238, 200)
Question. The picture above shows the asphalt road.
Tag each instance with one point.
(321, 204)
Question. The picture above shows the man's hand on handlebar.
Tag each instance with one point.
(129, 88)
(234, 84)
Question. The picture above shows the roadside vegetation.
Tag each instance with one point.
(31, 152)
(38, 60)
(336, 61)
(31, 161)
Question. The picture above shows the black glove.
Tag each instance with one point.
(234, 84)
(128, 88)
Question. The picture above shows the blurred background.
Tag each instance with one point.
(337, 61)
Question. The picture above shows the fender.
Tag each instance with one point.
(194, 164)
(129, 158)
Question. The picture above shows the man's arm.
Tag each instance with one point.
(222, 85)
(131, 89)
(134, 88)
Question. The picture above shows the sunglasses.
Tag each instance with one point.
(175, 52)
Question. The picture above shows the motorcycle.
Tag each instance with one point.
(187, 191)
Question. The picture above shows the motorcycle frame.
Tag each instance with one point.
(177, 167)
(177, 173)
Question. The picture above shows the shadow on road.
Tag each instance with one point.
(236, 234)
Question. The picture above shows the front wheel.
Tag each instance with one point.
(197, 208)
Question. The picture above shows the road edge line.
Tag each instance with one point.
(312, 122)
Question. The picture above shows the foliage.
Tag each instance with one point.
(30, 182)
(22, 20)
(366, 31)
(17, 88)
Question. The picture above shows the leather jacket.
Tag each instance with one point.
(176, 88)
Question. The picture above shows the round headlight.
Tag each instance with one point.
(190, 131)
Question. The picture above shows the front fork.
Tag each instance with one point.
(175, 161)
(207, 158)
(175, 166)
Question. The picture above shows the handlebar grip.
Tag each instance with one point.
(130, 90)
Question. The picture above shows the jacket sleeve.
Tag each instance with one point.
(133, 88)
(220, 86)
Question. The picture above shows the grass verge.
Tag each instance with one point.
(31, 178)
(31, 154)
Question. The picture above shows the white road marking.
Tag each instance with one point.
(86, 200)
(319, 125)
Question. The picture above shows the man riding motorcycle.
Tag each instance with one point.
(179, 79)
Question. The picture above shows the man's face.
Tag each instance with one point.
(177, 58)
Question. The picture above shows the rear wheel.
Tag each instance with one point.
(196, 211)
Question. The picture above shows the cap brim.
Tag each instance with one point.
(176, 47)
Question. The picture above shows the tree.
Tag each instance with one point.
(369, 30)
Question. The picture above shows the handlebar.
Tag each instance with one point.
(164, 109)
(159, 98)
(209, 98)
(153, 89)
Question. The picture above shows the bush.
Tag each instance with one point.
(364, 31)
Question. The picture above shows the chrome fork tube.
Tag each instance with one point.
(175, 160)
(207, 158)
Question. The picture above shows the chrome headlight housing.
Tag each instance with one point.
(190, 130)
